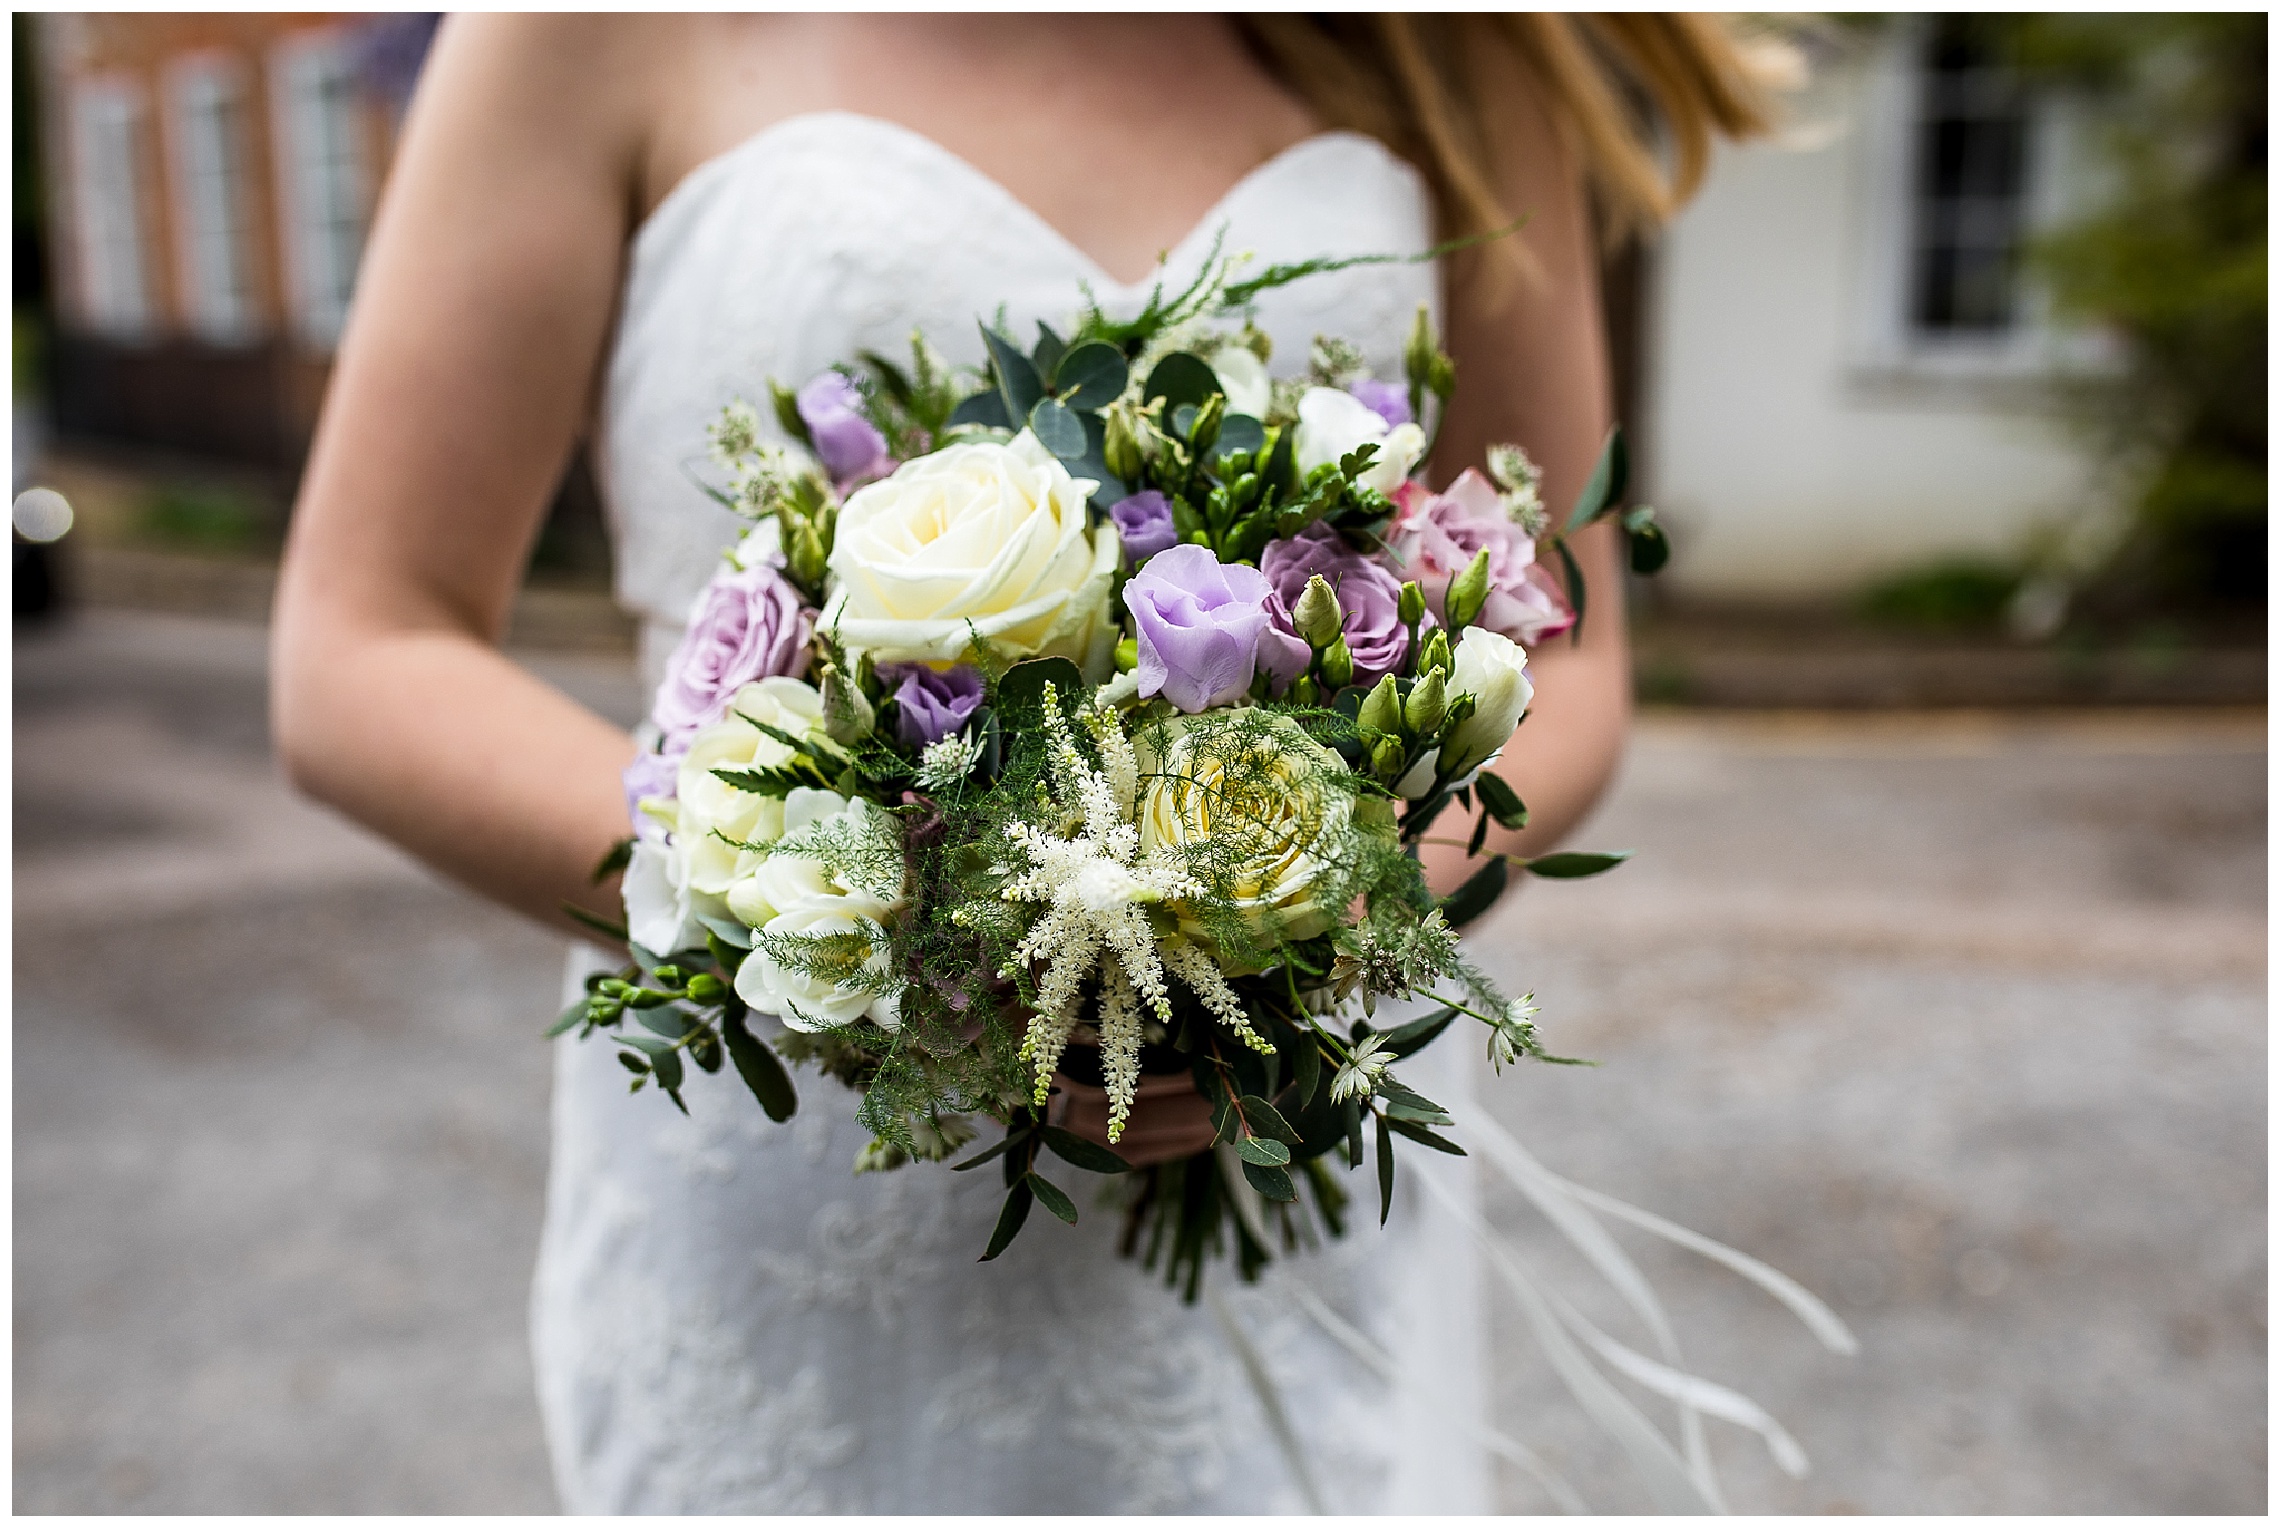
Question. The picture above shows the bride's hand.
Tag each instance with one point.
(1169, 1118)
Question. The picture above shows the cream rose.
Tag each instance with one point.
(1332, 423)
(1261, 796)
(791, 894)
(1493, 670)
(981, 538)
(670, 886)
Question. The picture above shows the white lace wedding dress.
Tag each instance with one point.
(726, 1318)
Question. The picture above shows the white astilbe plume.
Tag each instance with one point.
(1095, 887)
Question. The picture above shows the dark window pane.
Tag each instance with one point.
(1969, 186)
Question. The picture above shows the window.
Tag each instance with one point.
(106, 197)
(320, 179)
(206, 111)
(1969, 188)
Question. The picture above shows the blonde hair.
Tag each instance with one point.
(1416, 83)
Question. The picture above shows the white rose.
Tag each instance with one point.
(984, 537)
(749, 898)
(794, 894)
(1493, 670)
(714, 817)
(660, 913)
(1332, 422)
(1243, 378)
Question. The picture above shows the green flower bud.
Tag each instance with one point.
(1434, 655)
(1412, 604)
(704, 987)
(1337, 665)
(1468, 591)
(1203, 434)
(1387, 759)
(1127, 655)
(1381, 709)
(1303, 691)
(1317, 618)
(1120, 447)
(1428, 703)
(1417, 355)
(847, 713)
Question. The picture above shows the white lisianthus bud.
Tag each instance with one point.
(1332, 423)
(1243, 378)
(1493, 670)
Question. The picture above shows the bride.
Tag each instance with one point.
(604, 228)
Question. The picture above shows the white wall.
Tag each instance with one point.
(1795, 450)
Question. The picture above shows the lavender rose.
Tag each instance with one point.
(1369, 596)
(1436, 536)
(1205, 630)
(750, 625)
(1388, 402)
(1144, 521)
(849, 446)
(932, 704)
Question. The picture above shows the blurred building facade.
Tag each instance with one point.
(1834, 365)
(209, 180)
(1849, 367)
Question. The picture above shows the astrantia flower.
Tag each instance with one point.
(1515, 1033)
(1357, 1076)
(947, 760)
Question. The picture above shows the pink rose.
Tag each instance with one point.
(1436, 536)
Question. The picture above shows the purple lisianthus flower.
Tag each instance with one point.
(1389, 402)
(1205, 629)
(850, 447)
(931, 704)
(1144, 521)
(749, 625)
(650, 774)
(1368, 596)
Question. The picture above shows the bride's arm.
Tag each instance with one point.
(1532, 368)
(460, 386)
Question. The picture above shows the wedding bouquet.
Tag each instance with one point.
(1067, 730)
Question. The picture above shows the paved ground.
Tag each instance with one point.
(1959, 1020)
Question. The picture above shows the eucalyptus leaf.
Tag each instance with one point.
(1017, 1201)
(1239, 434)
(1075, 1150)
(1271, 1182)
(1263, 1150)
(620, 856)
(1479, 836)
(1020, 695)
(728, 930)
(1575, 589)
(1477, 895)
(1405, 1102)
(1181, 378)
(1502, 802)
(1385, 1169)
(1046, 353)
(1091, 376)
(1650, 547)
(1264, 1119)
(1306, 1067)
(1419, 1133)
(664, 1060)
(983, 409)
(1574, 865)
(756, 1063)
(1610, 475)
(1017, 380)
(1057, 429)
(1052, 1198)
(572, 1017)
(1353, 1110)
(1410, 1038)
(672, 1025)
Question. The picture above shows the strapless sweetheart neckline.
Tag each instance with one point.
(1218, 215)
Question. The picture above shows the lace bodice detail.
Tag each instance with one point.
(726, 1318)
